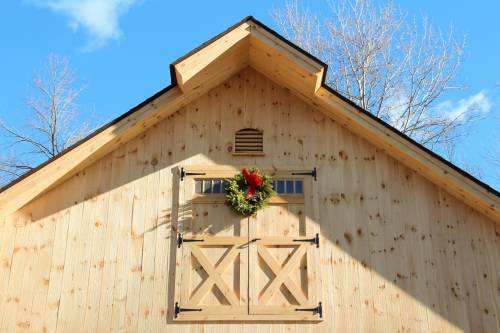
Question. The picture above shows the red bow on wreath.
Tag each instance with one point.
(254, 182)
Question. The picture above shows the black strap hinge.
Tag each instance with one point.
(312, 173)
(317, 310)
(314, 240)
(184, 173)
(178, 310)
(181, 240)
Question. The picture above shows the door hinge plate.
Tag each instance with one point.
(184, 174)
(314, 240)
(313, 173)
(178, 310)
(181, 240)
(317, 310)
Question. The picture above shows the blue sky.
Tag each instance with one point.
(121, 50)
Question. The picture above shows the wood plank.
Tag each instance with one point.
(349, 274)
(426, 210)
(492, 257)
(377, 240)
(7, 245)
(136, 239)
(20, 258)
(164, 275)
(53, 300)
(133, 173)
(389, 226)
(117, 215)
(153, 156)
(99, 227)
(40, 274)
(81, 256)
(22, 318)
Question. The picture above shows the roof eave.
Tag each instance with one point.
(256, 45)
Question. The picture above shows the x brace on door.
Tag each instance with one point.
(214, 271)
(282, 275)
(214, 275)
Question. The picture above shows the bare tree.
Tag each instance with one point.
(494, 159)
(493, 156)
(387, 64)
(51, 125)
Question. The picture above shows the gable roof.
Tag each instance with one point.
(249, 43)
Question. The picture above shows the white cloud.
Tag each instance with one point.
(478, 104)
(98, 17)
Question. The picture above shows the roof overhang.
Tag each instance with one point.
(250, 43)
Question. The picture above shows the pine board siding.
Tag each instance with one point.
(398, 253)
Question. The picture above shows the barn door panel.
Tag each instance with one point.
(212, 255)
(284, 256)
(265, 267)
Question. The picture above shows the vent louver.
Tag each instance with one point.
(249, 141)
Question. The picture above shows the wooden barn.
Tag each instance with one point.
(368, 231)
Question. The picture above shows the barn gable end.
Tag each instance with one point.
(96, 249)
(250, 43)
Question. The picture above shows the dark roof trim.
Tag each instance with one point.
(263, 26)
(173, 83)
(407, 138)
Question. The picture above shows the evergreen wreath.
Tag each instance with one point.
(248, 191)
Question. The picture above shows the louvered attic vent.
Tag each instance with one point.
(249, 141)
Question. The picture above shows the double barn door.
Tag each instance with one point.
(264, 267)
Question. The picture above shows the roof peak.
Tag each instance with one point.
(250, 43)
